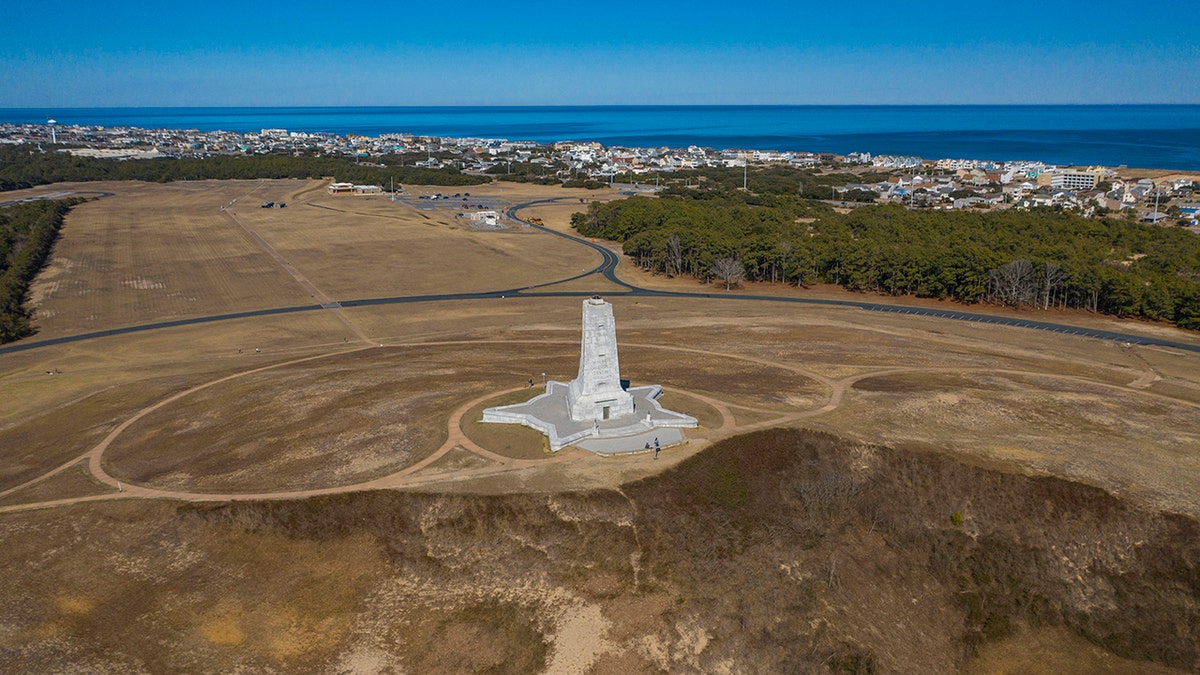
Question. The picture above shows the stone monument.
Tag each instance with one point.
(595, 410)
(596, 393)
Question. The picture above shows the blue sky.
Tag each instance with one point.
(76, 54)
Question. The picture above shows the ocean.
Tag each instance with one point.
(1149, 136)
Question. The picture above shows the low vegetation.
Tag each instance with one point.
(780, 551)
(27, 234)
(22, 168)
(1037, 258)
(773, 183)
(1005, 549)
(542, 174)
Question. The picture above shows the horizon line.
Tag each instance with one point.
(607, 105)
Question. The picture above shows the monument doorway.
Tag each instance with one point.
(607, 411)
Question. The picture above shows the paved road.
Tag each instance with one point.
(608, 263)
(418, 473)
(607, 269)
(424, 472)
(56, 195)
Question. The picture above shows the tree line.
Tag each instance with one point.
(21, 167)
(542, 174)
(27, 234)
(780, 180)
(1040, 258)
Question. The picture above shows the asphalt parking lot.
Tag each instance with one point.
(458, 204)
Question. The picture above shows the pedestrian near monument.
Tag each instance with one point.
(598, 394)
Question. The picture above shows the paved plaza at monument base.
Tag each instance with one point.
(595, 410)
(549, 413)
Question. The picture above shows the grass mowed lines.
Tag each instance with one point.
(363, 247)
(151, 254)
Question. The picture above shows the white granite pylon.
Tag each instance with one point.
(596, 393)
(594, 410)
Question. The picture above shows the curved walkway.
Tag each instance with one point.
(417, 474)
(455, 439)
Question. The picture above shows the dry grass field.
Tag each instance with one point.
(469, 547)
(354, 247)
(155, 253)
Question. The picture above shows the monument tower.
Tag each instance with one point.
(595, 411)
(596, 393)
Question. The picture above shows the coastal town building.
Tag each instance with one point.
(914, 182)
(1073, 180)
(351, 188)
